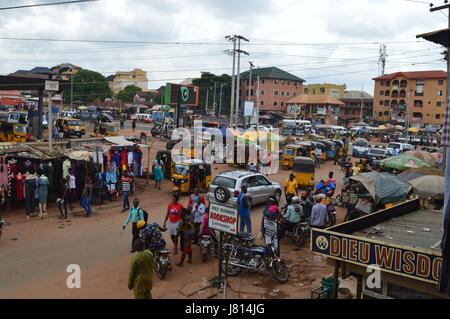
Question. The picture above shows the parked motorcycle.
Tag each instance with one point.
(242, 239)
(207, 246)
(162, 258)
(253, 259)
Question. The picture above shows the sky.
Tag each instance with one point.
(321, 41)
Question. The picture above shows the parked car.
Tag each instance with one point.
(360, 148)
(400, 147)
(377, 154)
(44, 122)
(7, 108)
(92, 117)
(226, 187)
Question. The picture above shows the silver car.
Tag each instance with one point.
(226, 187)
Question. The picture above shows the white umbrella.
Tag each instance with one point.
(428, 186)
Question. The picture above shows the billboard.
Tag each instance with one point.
(189, 94)
(223, 218)
(401, 260)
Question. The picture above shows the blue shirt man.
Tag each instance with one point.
(319, 214)
(244, 210)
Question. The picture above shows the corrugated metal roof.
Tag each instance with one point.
(420, 229)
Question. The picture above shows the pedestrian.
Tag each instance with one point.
(133, 125)
(122, 123)
(63, 198)
(244, 210)
(173, 214)
(336, 156)
(355, 170)
(187, 231)
(141, 272)
(318, 156)
(319, 214)
(194, 197)
(55, 133)
(86, 197)
(126, 187)
(73, 188)
(290, 188)
(136, 214)
(157, 169)
(307, 204)
(331, 178)
(198, 210)
(271, 211)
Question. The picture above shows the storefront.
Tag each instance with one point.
(403, 242)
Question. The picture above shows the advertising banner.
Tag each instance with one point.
(189, 95)
(223, 218)
(404, 261)
(271, 233)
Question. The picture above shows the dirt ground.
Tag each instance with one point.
(35, 254)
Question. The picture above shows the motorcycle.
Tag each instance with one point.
(2, 222)
(207, 246)
(299, 234)
(161, 256)
(241, 239)
(253, 259)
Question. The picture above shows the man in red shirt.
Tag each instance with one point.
(174, 216)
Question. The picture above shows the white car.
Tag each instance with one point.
(400, 147)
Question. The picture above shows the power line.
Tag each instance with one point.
(46, 4)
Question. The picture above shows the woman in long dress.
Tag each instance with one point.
(158, 173)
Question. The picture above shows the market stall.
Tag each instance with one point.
(403, 242)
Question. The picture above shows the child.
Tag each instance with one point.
(187, 231)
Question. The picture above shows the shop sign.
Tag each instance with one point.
(223, 218)
(418, 264)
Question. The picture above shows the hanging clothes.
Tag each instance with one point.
(19, 186)
(3, 171)
(43, 183)
(30, 191)
(66, 166)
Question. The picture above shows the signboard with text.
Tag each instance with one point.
(271, 233)
(404, 261)
(185, 95)
(223, 218)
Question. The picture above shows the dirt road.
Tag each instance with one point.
(36, 253)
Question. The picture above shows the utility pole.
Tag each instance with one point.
(214, 99)
(71, 91)
(257, 102)
(250, 88)
(220, 99)
(207, 98)
(238, 80)
(382, 58)
(362, 102)
(233, 84)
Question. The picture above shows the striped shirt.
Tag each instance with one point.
(126, 184)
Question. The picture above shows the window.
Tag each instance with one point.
(440, 92)
(387, 93)
(262, 92)
(288, 82)
(383, 83)
(262, 81)
(282, 82)
(386, 103)
(275, 92)
(418, 103)
(275, 81)
(282, 104)
(262, 102)
(305, 91)
(380, 113)
(388, 83)
(440, 82)
(386, 112)
(288, 93)
(381, 92)
(295, 83)
(381, 102)
(322, 90)
(438, 103)
(420, 84)
(438, 116)
(417, 115)
(282, 93)
(294, 94)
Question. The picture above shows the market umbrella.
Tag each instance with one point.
(423, 155)
(426, 171)
(403, 162)
(413, 130)
(428, 186)
(167, 108)
(156, 108)
(82, 108)
(382, 127)
(362, 124)
(399, 127)
(383, 187)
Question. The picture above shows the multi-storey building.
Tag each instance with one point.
(321, 109)
(351, 112)
(120, 80)
(66, 70)
(419, 96)
(276, 87)
(333, 90)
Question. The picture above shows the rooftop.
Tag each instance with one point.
(416, 75)
(314, 99)
(271, 73)
(357, 95)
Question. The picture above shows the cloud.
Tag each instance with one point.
(342, 33)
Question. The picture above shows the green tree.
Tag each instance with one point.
(88, 86)
(128, 93)
(206, 82)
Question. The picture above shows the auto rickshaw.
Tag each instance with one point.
(190, 174)
(289, 153)
(330, 150)
(323, 147)
(304, 170)
(70, 126)
(107, 129)
(13, 132)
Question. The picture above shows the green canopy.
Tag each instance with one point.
(404, 162)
